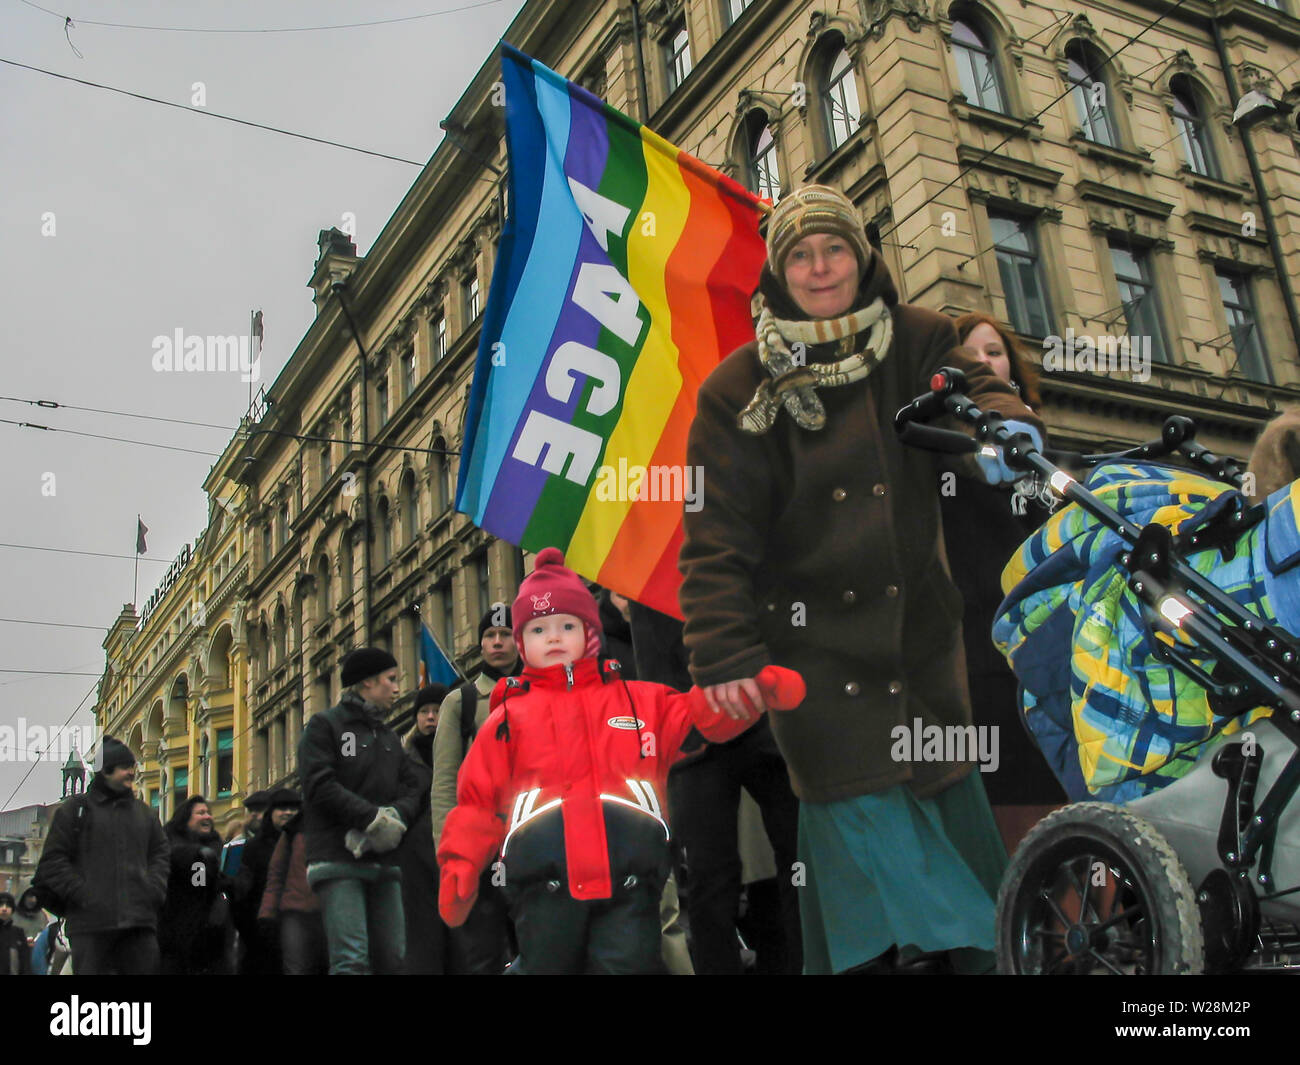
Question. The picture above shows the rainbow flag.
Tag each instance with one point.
(623, 277)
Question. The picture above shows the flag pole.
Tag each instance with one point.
(135, 583)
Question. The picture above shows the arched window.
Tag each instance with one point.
(764, 175)
(1091, 94)
(977, 66)
(410, 508)
(280, 634)
(1193, 135)
(264, 650)
(345, 566)
(385, 524)
(840, 100)
(323, 604)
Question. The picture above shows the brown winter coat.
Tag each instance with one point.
(822, 551)
(286, 877)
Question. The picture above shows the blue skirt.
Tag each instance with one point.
(890, 869)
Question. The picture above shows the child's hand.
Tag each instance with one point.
(457, 892)
(739, 699)
(783, 689)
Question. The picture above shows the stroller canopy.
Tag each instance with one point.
(1115, 720)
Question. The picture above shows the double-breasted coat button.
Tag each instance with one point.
(895, 687)
(771, 607)
(850, 596)
(878, 489)
(891, 590)
(852, 688)
(839, 495)
(552, 886)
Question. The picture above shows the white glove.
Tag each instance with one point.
(386, 830)
(356, 841)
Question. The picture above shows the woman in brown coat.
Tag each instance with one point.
(818, 547)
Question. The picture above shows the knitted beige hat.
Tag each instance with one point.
(814, 209)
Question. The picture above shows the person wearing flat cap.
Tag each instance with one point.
(360, 792)
(818, 547)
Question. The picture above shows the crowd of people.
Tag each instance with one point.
(617, 792)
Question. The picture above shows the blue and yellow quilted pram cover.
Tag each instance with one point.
(1114, 720)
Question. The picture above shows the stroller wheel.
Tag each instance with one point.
(1094, 889)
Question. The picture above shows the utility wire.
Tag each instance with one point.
(95, 554)
(53, 405)
(215, 114)
(52, 624)
(114, 439)
(273, 29)
(1024, 123)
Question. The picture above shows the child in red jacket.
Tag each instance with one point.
(562, 788)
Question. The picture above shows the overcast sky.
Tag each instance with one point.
(167, 220)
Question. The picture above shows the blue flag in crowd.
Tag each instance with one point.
(435, 667)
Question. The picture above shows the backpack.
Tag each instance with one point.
(49, 898)
(468, 712)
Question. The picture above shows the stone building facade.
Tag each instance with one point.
(1076, 172)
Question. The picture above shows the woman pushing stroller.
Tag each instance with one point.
(818, 547)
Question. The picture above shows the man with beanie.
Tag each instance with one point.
(260, 955)
(360, 793)
(106, 861)
(481, 945)
(564, 784)
(15, 954)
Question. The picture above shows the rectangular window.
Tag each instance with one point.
(1240, 310)
(408, 371)
(155, 802)
(484, 584)
(447, 616)
(733, 9)
(345, 430)
(326, 458)
(1137, 292)
(439, 338)
(469, 291)
(677, 55)
(284, 525)
(225, 762)
(1021, 272)
(180, 787)
(381, 401)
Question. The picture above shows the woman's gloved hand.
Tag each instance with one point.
(386, 830)
(994, 467)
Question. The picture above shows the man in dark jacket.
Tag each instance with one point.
(15, 954)
(107, 858)
(360, 793)
(426, 935)
(260, 956)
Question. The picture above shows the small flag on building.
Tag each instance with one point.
(140, 531)
(435, 667)
(623, 277)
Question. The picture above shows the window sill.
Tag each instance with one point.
(829, 164)
(1138, 162)
(1214, 186)
(998, 121)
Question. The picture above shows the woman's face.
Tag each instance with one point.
(821, 275)
(989, 349)
(426, 719)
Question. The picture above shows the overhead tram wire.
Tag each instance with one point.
(269, 29)
(212, 114)
(248, 434)
(113, 439)
(34, 764)
(93, 554)
(1024, 123)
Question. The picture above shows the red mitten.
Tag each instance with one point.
(783, 689)
(457, 892)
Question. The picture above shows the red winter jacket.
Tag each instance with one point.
(562, 780)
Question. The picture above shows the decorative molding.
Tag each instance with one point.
(970, 156)
(1122, 199)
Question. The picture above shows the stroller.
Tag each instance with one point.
(1149, 626)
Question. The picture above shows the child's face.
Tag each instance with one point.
(554, 640)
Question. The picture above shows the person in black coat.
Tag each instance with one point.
(195, 933)
(260, 956)
(426, 935)
(361, 792)
(984, 525)
(15, 954)
(106, 858)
